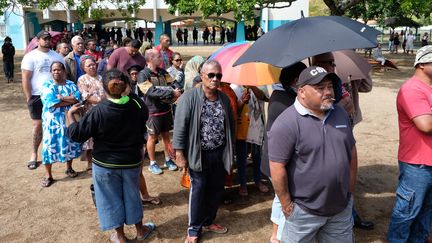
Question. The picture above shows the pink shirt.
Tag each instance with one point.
(121, 60)
(414, 99)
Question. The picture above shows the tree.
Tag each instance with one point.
(84, 7)
(243, 9)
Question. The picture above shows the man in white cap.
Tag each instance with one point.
(314, 137)
(411, 217)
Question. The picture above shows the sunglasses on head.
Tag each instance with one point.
(212, 75)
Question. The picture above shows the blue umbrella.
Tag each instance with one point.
(306, 37)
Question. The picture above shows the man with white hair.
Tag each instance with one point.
(203, 139)
(72, 60)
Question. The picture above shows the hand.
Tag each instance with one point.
(75, 108)
(177, 93)
(181, 160)
(60, 97)
(245, 96)
(288, 209)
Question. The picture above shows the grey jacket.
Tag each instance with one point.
(187, 128)
(71, 67)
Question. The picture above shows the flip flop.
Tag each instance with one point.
(32, 164)
(113, 238)
(71, 173)
(151, 200)
(151, 227)
(47, 181)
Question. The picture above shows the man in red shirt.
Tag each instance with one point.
(91, 51)
(164, 51)
(411, 217)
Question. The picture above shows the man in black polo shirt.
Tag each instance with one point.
(311, 146)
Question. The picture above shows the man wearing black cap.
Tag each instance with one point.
(313, 162)
(35, 69)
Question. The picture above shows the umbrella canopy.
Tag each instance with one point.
(255, 74)
(56, 37)
(351, 66)
(306, 37)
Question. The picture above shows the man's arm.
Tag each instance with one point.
(26, 83)
(423, 123)
(280, 184)
(353, 169)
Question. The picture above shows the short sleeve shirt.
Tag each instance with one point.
(414, 99)
(121, 60)
(40, 64)
(212, 130)
(317, 155)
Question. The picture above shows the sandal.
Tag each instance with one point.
(151, 200)
(191, 239)
(47, 181)
(114, 238)
(89, 170)
(71, 173)
(32, 164)
(215, 228)
(151, 227)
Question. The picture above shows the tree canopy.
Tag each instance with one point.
(243, 9)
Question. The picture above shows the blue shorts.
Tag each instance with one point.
(118, 197)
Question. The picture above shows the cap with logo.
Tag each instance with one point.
(424, 55)
(313, 75)
(43, 34)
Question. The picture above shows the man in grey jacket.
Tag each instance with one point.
(72, 60)
(203, 140)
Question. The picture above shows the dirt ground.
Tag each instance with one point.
(64, 212)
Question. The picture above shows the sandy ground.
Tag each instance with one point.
(65, 212)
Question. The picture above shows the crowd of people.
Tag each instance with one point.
(407, 38)
(110, 103)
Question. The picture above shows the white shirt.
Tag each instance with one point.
(40, 64)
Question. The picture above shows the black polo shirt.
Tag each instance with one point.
(317, 154)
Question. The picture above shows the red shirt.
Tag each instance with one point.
(414, 99)
(96, 55)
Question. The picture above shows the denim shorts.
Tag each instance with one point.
(118, 197)
(302, 226)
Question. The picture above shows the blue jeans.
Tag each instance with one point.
(241, 155)
(412, 212)
(118, 199)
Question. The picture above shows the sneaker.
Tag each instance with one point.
(170, 165)
(155, 169)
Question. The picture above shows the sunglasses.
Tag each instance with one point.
(178, 60)
(212, 75)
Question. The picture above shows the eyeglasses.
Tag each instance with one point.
(212, 75)
(178, 60)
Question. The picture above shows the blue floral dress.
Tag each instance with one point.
(56, 146)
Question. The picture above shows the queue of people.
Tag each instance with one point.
(142, 93)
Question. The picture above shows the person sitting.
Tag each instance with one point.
(378, 56)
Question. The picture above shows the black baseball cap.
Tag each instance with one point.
(43, 34)
(313, 75)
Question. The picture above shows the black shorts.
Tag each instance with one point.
(159, 124)
(35, 107)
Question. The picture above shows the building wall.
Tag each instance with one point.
(272, 18)
(12, 25)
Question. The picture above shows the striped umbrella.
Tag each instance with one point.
(254, 74)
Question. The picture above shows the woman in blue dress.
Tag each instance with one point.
(57, 97)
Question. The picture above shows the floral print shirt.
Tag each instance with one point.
(212, 129)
